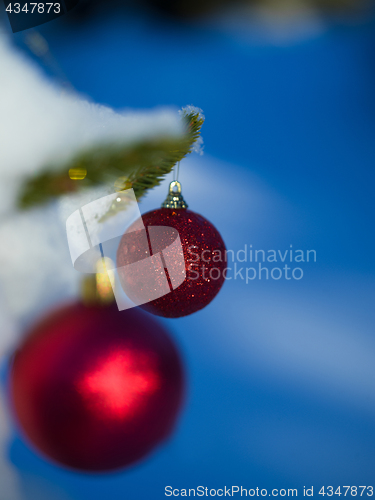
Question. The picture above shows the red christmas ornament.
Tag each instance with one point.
(204, 256)
(95, 389)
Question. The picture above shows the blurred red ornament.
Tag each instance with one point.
(204, 254)
(96, 389)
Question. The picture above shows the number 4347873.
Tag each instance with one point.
(40, 8)
(347, 491)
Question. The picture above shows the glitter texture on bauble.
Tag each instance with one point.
(204, 254)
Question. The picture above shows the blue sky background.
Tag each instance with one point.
(281, 373)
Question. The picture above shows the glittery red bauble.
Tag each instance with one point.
(204, 255)
(96, 389)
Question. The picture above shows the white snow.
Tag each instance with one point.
(42, 125)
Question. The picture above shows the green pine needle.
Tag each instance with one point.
(142, 166)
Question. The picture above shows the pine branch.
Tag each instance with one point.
(141, 166)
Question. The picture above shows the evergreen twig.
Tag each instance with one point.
(143, 165)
